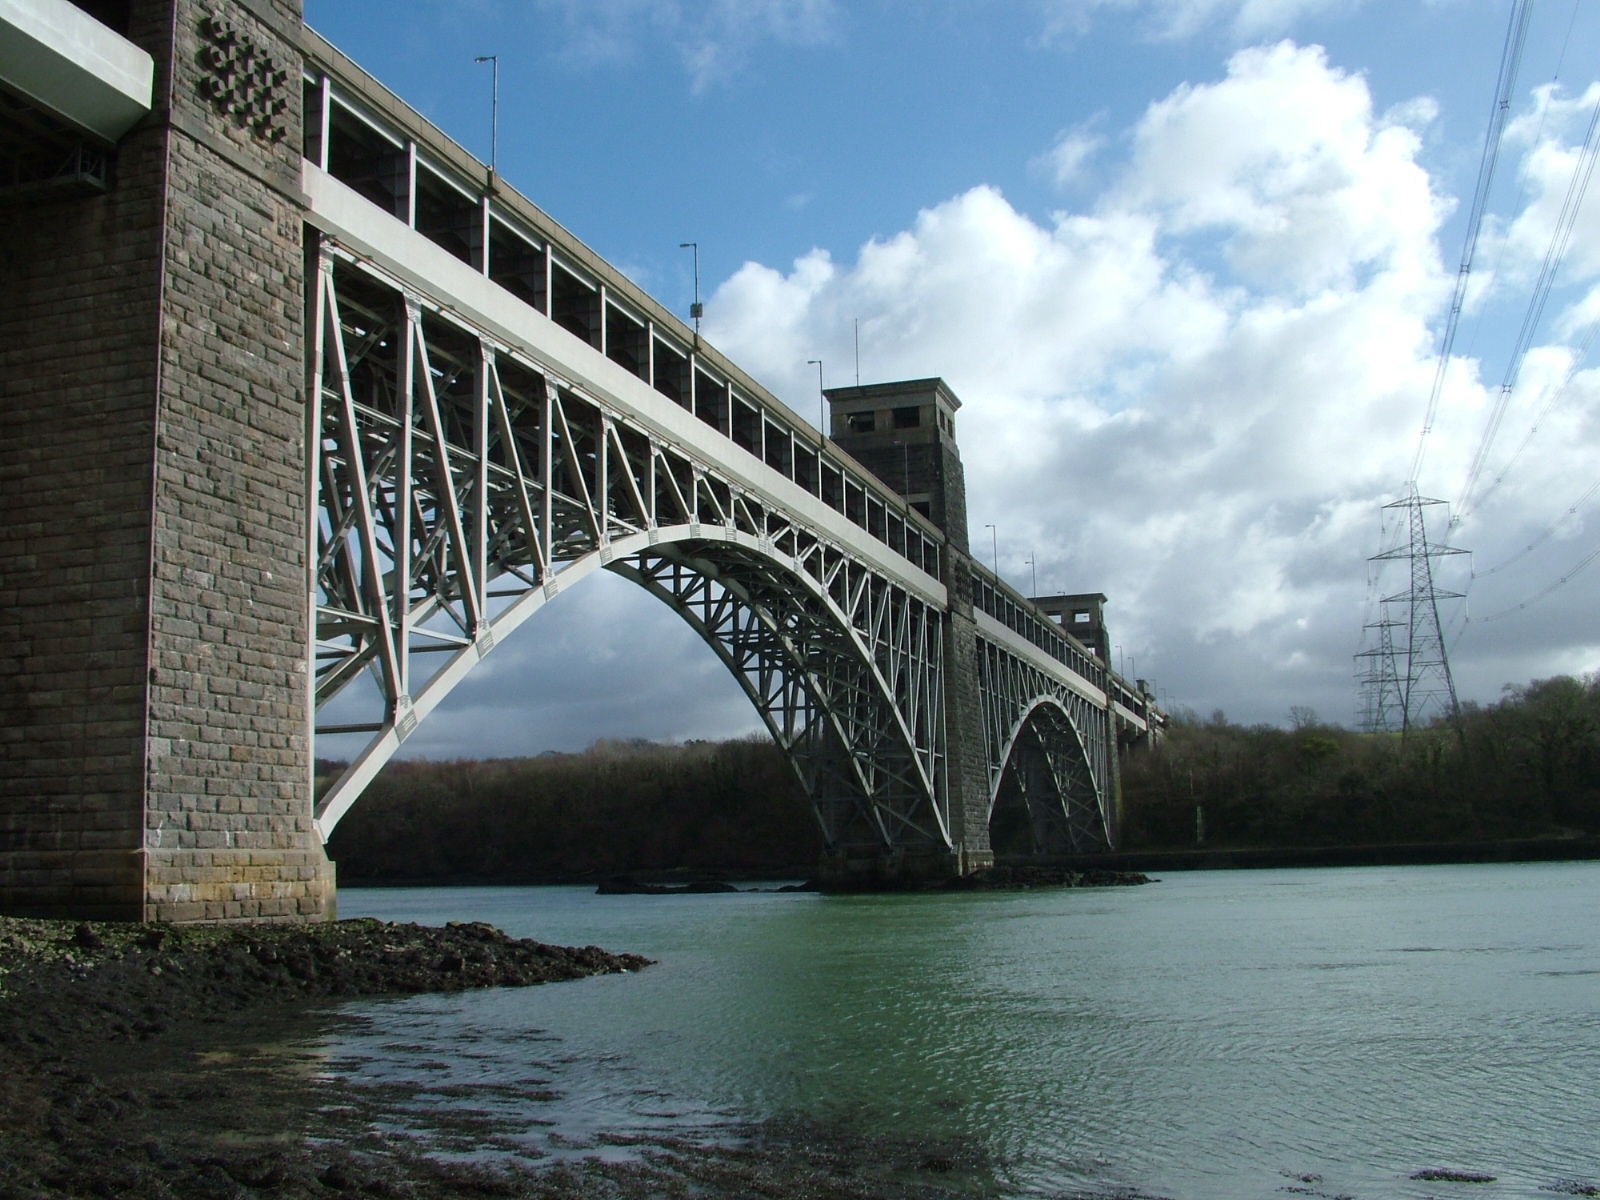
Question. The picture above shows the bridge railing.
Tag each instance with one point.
(998, 599)
(366, 137)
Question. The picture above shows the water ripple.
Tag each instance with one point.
(1230, 1034)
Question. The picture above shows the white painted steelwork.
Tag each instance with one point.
(1050, 738)
(480, 446)
(462, 480)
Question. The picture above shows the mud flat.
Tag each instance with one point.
(150, 1061)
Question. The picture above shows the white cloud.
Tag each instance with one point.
(1066, 162)
(1285, 160)
(714, 38)
(1195, 394)
(1174, 19)
(1552, 136)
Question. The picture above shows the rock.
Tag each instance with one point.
(627, 885)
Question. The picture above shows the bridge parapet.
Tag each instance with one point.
(367, 138)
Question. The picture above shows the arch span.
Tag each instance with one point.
(1045, 765)
(461, 485)
(1065, 739)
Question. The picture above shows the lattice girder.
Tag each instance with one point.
(459, 486)
(1055, 744)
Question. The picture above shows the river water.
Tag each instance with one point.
(1215, 1034)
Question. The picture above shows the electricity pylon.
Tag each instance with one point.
(1405, 686)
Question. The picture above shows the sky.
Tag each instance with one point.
(1186, 263)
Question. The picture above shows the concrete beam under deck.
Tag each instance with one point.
(58, 57)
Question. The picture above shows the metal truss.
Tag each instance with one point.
(1051, 744)
(459, 484)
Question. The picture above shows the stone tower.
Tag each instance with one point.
(154, 616)
(905, 434)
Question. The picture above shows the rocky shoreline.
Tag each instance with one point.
(126, 1049)
(155, 1062)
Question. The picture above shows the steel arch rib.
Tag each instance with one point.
(452, 473)
(814, 688)
(1012, 690)
(337, 801)
(1050, 701)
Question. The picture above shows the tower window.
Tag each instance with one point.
(862, 422)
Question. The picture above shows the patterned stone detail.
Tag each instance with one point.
(242, 80)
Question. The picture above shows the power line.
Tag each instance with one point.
(1543, 592)
(1543, 537)
(1505, 84)
(1580, 352)
(1559, 240)
(1522, 173)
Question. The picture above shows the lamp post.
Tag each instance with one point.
(994, 544)
(696, 309)
(494, 111)
(1033, 565)
(822, 400)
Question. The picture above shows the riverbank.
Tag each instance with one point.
(146, 1060)
(1401, 854)
(153, 1062)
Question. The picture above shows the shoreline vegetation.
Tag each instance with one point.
(1515, 780)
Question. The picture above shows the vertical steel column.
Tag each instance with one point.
(325, 117)
(480, 488)
(404, 474)
(411, 184)
(547, 474)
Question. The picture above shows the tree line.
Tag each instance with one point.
(1526, 766)
(618, 806)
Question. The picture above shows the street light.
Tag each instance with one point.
(994, 542)
(494, 112)
(822, 400)
(1034, 565)
(696, 310)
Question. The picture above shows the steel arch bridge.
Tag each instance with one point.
(462, 484)
(307, 411)
(481, 444)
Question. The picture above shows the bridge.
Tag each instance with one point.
(306, 411)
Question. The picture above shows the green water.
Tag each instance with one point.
(1213, 1035)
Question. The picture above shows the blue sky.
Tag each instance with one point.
(1185, 261)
